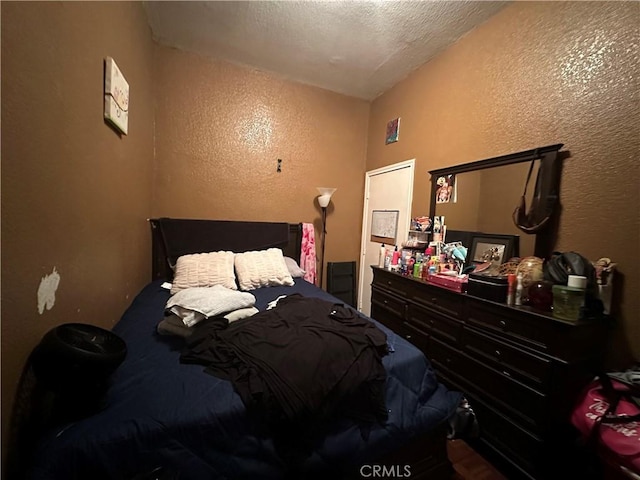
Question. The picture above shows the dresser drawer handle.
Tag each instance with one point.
(408, 337)
(386, 302)
(506, 374)
(432, 321)
(434, 300)
(388, 282)
(498, 353)
(503, 324)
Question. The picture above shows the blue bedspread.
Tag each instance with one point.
(161, 413)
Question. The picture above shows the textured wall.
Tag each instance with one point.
(539, 73)
(75, 195)
(220, 129)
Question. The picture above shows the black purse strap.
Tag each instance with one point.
(529, 177)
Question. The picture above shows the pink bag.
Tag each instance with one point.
(608, 417)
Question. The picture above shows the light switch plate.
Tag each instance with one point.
(116, 96)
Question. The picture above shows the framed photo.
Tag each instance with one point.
(384, 226)
(446, 191)
(393, 130)
(495, 249)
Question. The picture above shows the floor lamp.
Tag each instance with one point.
(323, 201)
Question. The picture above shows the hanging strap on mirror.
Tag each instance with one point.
(535, 157)
(545, 197)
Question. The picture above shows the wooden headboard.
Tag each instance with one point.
(172, 237)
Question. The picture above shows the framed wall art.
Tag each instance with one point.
(393, 130)
(384, 226)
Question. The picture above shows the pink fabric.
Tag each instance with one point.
(308, 254)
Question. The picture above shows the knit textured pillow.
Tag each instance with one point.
(204, 270)
(262, 268)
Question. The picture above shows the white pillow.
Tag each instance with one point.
(294, 268)
(262, 268)
(204, 270)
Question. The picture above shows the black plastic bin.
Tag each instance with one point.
(65, 379)
(73, 363)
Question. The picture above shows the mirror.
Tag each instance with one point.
(485, 200)
(485, 193)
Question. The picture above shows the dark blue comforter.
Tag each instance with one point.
(162, 413)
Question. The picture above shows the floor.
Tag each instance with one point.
(469, 465)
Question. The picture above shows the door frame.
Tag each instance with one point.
(411, 164)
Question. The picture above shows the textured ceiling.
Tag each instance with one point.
(356, 48)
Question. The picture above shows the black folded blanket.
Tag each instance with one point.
(299, 364)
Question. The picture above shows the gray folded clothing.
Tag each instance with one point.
(173, 324)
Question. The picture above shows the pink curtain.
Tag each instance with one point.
(308, 254)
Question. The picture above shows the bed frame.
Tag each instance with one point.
(172, 237)
(426, 454)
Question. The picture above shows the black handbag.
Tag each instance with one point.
(545, 199)
(562, 264)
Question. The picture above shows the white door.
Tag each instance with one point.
(387, 188)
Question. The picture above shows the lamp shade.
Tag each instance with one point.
(325, 196)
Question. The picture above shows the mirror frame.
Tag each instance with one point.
(545, 239)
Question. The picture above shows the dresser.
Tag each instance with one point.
(520, 370)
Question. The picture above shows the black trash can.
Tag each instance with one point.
(73, 363)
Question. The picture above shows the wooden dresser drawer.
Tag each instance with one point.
(390, 281)
(416, 335)
(387, 309)
(445, 358)
(529, 368)
(434, 323)
(388, 302)
(512, 324)
(517, 400)
(521, 446)
(436, 298)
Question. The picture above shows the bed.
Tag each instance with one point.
(165, 418)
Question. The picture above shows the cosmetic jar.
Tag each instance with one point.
(577, 281)
(567, 302)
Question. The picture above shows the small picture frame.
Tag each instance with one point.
(116, 97)
(495, 249)
(446, 190)
(393, 130)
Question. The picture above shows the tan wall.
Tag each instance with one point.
(535, 74)
(75, 195)
(220, 129)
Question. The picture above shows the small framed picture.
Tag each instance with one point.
(446, 191)
(393, 130)
(495, 249)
